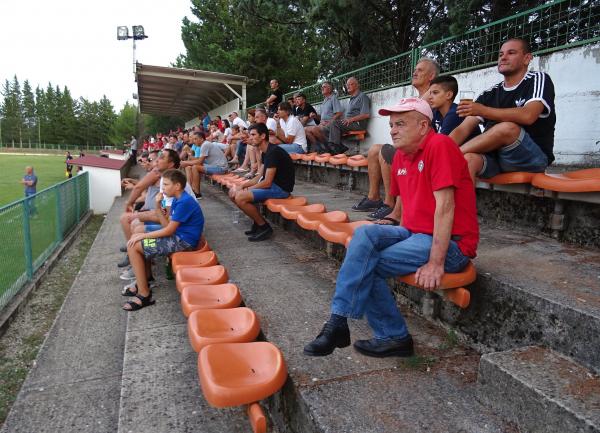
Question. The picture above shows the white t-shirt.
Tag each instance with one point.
(169, 200)
(239, 122)
(272, 124)
(295, 128)
(227, 134)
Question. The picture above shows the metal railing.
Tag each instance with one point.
(74, 148)
(554, 26)
(32, 228)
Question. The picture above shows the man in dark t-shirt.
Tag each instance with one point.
(277, 181)
(306, 113)
(275, 97)
(518, 117)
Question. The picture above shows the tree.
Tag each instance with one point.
(125, 124)
(29, 119)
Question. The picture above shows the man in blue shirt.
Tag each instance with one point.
(179, 233)
(30, 181)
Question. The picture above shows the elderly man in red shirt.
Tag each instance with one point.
(433, 229)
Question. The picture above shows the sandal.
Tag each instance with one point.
(127, 290)
(134, 306)
(394, 222)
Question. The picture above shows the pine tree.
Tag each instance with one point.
(29, 119)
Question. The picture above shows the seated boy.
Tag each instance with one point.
(441, 94)
(277, 181)
(180, 233)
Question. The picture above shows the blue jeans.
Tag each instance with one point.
(375, 253)
(292, 148)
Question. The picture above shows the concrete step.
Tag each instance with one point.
(530, 290)
(541, 390)
(289, 284)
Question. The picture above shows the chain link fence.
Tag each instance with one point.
(32, 228)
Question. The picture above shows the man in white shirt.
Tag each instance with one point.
(289, 130)
(235, 120)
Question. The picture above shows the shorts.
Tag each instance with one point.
(263, 194)
(163, 246)
(387, 153)
(523, 155)
(292, 148)
(151, 227)
(214, 169)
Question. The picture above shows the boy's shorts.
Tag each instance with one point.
(263, 194)
(163, 246)
(523, 155)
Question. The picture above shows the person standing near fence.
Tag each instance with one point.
(30, 181)
(133, 146)
(69, 166)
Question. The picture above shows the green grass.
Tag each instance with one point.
(49, 169)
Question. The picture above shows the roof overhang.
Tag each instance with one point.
(185, 92)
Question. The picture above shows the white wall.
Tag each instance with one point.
(223, 111)
(105, 185)
(576, 77)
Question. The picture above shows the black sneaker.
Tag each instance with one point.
(366, 205)
(384, 348)
(198, 195)
(262, 233)
(123, 263)
(252, 230)
(123, 248)
(338, 148)
(328, 339)
(382, 212)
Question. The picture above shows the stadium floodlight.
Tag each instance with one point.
(138, 33)
(122, 33)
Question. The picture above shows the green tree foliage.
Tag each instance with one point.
(53, 116)
(153, 124)
(125, 124)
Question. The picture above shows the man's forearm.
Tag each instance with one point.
(443, 221)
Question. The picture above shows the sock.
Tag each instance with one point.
(338, 321)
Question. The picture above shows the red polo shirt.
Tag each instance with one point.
(437, 164)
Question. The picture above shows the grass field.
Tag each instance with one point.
(49, 170)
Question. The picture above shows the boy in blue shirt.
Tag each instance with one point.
(440, 96)
(179, 233)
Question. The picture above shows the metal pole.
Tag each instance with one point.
(134, 58)
(27, 237)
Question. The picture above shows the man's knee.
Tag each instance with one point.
(374, 151)
(509, 131)
(475, 161)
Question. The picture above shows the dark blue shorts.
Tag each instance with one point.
(163, 246)
(274, 191)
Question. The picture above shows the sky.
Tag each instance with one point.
(74, 43)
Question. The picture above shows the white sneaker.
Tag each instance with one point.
(128, 274)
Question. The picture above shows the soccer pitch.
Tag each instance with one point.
(50, 169)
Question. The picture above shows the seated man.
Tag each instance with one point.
(181, 232)
(303, 111)
(277, 181)
(438, 233)
(440, 97)
(211, 161)
(380, 156)
(331, 110)
(355, 118)
(518, 117)
(289, 130)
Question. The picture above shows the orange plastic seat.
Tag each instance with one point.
(339, 159)
(587, 180)
(357, 161)
(324, 157)
(191, 259)
(296, 156)
(358, 135)
(209, 296)
(312, 220)
(209, 275)
(233, 374)
(309, 156)
(510, 178)
(274, 204)
(452, 285)
(204, 247)
(291, 212)
(228, 325)
(339, 233)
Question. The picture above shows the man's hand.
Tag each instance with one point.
(470, 108)
(135, 238)
(429, 276)
(346, 121)
(128, 207)
(158, 198)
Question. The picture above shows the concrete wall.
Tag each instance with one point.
(576, 77)
(223, 111)
(105, 185)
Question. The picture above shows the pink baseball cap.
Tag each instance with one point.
(408, 104)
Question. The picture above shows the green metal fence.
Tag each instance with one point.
(74, 148)
(554, 26)
(32, 228)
